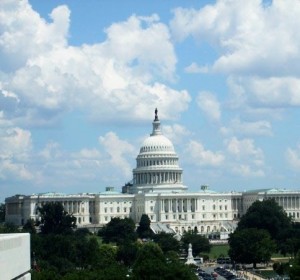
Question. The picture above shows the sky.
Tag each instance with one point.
(80, 80)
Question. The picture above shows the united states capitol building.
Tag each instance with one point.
(157, 189)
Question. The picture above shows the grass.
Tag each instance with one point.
(267, 273)
(218, 250)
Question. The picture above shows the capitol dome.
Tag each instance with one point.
(157, 143)
(157, 168)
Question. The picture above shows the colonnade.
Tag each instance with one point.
(179, 205)
(288, 202)
(154, 162)
(71, 206)
(157, 178)
(236, 203)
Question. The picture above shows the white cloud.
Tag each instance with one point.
(117, 150)
(51, 151)
(247, 171)
(15, 143)
(202, 157)
(272, 92)
(24, 34)
(256, 45)
(111, 80)
(15, 151)
(243, 148)
(176, 133)
(245, 159)
(293, 158)
(209, 104)
(194, 68)
(246, 34)
(238, 127)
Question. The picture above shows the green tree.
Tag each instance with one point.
(166, 242)
(119, 231)
(54, 219)
(127, 253)
(29, 226)
(251, 246)
(289, 240)
(294, 271)
(9, 228)
(268, 215)
(176, 270)
(150, 263)
(199, 243)
(107, 256)
(144, 230)
(2, 212)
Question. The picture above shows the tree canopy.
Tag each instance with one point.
(2, 212)
(166, 242)
(251, 246)
(268, 215)
(119, 231)
(144, 230)
(54, 219)
(199, 243)
(151, 263)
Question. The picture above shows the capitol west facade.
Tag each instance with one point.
(158, 191)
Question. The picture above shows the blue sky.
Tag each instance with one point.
(79, 82)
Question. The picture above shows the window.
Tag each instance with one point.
(105, 210)
(167, 217)
(193, 216)
(225, 207)
(151, 208)
(105, 218)
(118, 209)
(125, 209)
(220, 207)
(203, 207)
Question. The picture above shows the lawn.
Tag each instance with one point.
(218, 250)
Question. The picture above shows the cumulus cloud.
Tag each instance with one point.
(243, 148)
(293, 157)
(261, 92)
(113, 80)
(245, 159)
(194, 68)
(257, 46)
(176, 133)
(109, 162)
(202, 157)
(246, 33)
(209, 104)
(15, 150)
(117, 150)
(25, 35)
(238, 127)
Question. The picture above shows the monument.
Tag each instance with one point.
(190, 258)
